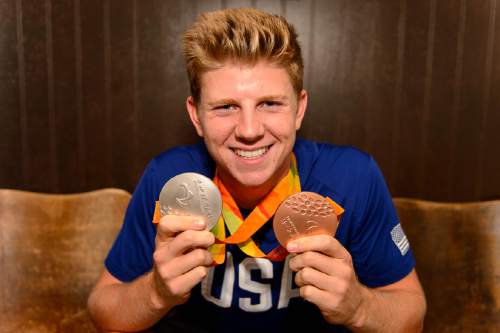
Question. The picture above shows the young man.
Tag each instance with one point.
(247, 102)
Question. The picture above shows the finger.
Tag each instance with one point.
(316, 260)
(183, 284)
(310, 276)
(321, 243)
(190, 239)
(172, 224)
(185, 263)
(325, 301)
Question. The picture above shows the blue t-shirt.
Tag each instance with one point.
(254, 294)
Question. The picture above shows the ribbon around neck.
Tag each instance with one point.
(241, 230)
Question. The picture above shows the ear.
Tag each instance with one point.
(301, 108)
(192, 110)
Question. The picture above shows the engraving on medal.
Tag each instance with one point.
(304, 214)
(290, 228)
(186, 195)
(310, 225)
(164, 210)
(204, 202)
(191, 194)
(306, 205)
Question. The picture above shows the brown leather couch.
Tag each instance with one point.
(457, 249)
(51, 253)
(52, 248)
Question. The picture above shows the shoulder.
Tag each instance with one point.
(332, 165)
(347, 175)
(177, 160)
(187, 158)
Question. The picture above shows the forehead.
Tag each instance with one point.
(244, 79)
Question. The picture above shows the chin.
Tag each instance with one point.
(252, 180)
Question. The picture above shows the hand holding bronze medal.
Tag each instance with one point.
(304, 214)
(191, 194)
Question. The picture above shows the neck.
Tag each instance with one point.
(247, 197)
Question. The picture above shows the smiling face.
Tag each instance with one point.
(248, 116)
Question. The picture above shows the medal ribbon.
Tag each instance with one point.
(242, 230)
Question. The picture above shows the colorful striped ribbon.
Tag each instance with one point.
(242, 230)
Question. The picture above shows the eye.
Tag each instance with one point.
(225, 107)
(271, 104)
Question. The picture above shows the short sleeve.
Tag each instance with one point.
(131, 253)
(380, 250)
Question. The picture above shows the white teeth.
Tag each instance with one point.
(251, 153)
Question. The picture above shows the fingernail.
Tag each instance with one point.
(199, 224)
(292, 247)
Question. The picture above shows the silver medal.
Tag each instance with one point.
(191, 194)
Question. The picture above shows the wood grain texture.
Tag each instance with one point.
(92, 90)
(122, 82)
(95, 107)
(36, 83)
(11, 152)
(66, 100)
(490, 136)
(439, 138)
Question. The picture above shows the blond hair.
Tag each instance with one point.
(240, 34)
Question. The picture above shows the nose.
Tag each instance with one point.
(250, 127)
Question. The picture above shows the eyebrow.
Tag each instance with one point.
(224, 101)
(229, 101)
(274, 97)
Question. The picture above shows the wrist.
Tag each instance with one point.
(157, 301)
(360, 316)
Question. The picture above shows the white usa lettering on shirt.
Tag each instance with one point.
(263, 290)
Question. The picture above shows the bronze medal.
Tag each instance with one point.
(304, 214)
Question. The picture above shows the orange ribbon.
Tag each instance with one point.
(241, 230)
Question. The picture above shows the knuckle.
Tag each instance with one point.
(346, 272)
(164, 272)
(298, 279)
(188, 236)
(211, 237)
(199, 255)
(208, 258)
(308, 257)
(164, 220)
(329, 241)
(322, 243)
(350, 273)
(342, 287)
(349, 258)
(306, 274)
(164, 225)
(158, 257)
(306, 292)
(202, 257)
(203, 271)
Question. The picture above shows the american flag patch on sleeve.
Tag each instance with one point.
(399, 238)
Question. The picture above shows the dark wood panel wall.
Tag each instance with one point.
(90, 90)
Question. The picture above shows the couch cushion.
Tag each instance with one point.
(51, 254)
